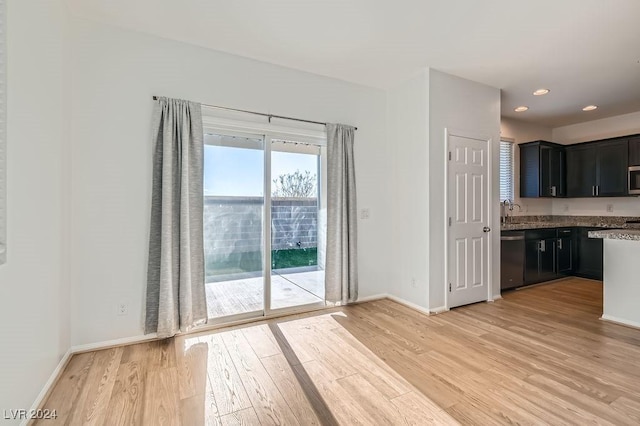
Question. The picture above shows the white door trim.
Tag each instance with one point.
(267, 133)
(266, 228)
(489, 141)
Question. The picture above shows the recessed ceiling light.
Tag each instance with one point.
(521, 108)
(541, 92)
(590, 108)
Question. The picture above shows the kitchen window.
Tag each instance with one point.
(506, 170)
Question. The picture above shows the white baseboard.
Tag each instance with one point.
(408, 304)
(438, 310)
(53, 378)
(372, 298)
(620, 321)
(403, 302)
(113, 343)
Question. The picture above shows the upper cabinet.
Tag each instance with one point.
(598, 169)
(612, 168)
(590, 169)
(542, 170)
(634, 151)
(581, 171)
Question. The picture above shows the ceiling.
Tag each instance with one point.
(585, 51)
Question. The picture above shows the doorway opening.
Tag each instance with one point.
(264, 224)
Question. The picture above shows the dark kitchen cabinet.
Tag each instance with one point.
(560, 252)
(547, 270)
(581, 170)
(531, 261)
(565, 251)
(589, 256)
(540, 255)
(612, 168)
(542, 169)
(552, 177)
(634, 151)
(597, 169)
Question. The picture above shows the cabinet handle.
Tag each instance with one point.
(553, 191)
(543, 246)
(597, 190)
(593, 191)
(559, 243)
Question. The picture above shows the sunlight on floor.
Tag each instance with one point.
(310, 368)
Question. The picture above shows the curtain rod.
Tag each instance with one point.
(269, 116)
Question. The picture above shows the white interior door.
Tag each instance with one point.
(468, 202)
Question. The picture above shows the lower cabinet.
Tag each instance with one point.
(540, 255)
(589, 256)
(561, 252)
(549, 254)
(565, 251)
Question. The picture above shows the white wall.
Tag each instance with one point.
(34, 319)
(408, 124)
(115, 73)
(621, 289)
(522, 132)
(473, 108)
(419, 111)
(620, 125)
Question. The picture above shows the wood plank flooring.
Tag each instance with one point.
(539, 356)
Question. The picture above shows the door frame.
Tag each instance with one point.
(448, 132)
(267, 131)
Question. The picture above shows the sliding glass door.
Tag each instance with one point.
(264, 224)
(234, 225)
(297, 225)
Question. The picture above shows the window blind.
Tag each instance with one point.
(506, 170)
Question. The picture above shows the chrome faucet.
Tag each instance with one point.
(507, 206)
(503, 210)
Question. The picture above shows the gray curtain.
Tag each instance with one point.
(175, 278)
(341, 270)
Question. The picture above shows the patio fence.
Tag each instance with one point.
(233, 230)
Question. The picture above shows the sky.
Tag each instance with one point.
(231, 171)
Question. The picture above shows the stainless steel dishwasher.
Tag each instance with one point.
(511, 259)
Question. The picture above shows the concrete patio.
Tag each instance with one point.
(289, 288)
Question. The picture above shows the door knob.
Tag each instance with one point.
(486, 229)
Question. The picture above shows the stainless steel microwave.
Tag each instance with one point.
(634, 180)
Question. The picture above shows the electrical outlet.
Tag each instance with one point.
(413, 283)
(122, 308)
(566, 207)
(364, 214)
(610, 208)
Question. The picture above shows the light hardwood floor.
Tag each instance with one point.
(539, 356)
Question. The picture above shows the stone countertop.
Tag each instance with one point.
(616, 234)
(541, 222)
